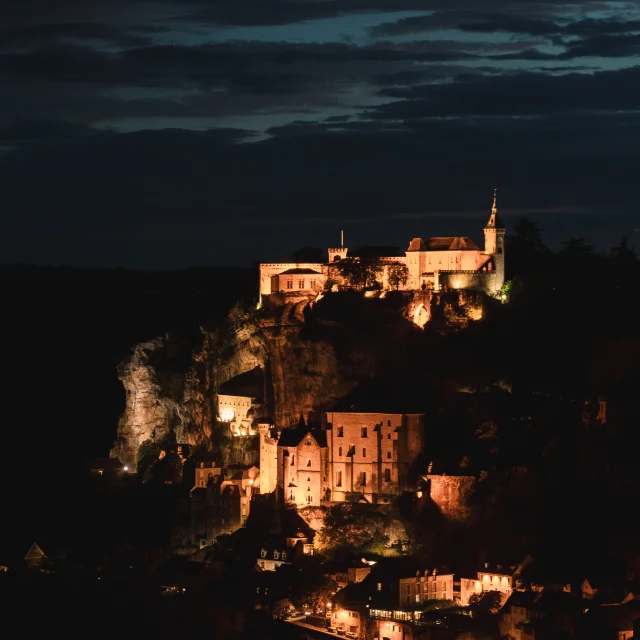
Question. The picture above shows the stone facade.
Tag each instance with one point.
(268, 458)
(302, 466)
(370, 454)
(440, 261)
(425, 586)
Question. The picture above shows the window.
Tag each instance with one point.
(339, 479)
(289, 284)
(308, 478)
(418, 598)
(293, 459)
(263, 553)
(284, 557)
(388, 454)
(301, 284)
(388, 423)
(276, 555)
(308, 463)
(312, 284)
(308, 442)
(387, 475)
(340, 432)
(340, 451)
(388, 436)
(379, 586)
(364, 452)
(308, 488)
(363, 479)
(363, 432)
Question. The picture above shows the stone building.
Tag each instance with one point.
(370, 454)
(269, 436)
(223, 505)
(351, 457)
(302, 465)
(427, 585)
(240, 402)
(452, 261)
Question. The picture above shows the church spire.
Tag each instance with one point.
(494, 220)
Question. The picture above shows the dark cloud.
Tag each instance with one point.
(131, 133)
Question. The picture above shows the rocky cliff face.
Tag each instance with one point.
(312, 357)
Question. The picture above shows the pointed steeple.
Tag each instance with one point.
(494, 219)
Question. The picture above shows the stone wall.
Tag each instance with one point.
(451, 494)
(489, 281)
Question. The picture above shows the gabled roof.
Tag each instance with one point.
(293, 437)
(451, 243)
(35, 553)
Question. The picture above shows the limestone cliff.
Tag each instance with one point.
(313, 354)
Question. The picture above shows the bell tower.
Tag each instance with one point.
(494, 233)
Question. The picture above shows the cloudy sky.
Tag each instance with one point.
(172, 133)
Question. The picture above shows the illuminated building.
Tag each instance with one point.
(450, 261)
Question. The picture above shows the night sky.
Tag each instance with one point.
(175, 133)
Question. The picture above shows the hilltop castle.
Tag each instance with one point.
(440, 262)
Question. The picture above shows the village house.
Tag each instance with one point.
(283, 549)
(223, 504)
(454, 262)
(493, 577)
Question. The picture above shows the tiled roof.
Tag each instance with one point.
(417, 244)
(300, 272)
(451, 243)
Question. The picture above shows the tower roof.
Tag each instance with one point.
(494, 219)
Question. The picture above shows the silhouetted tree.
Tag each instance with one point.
(527, 237)
(623, 252)
(398, 274)
(576, 248)
(360, 272)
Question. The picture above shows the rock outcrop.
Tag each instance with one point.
(147, 415)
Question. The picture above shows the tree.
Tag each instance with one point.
(360, 272)
(526, 239)
(576, 248)
(398, 274)
(623, 252)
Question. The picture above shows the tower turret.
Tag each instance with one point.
(339, 253)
